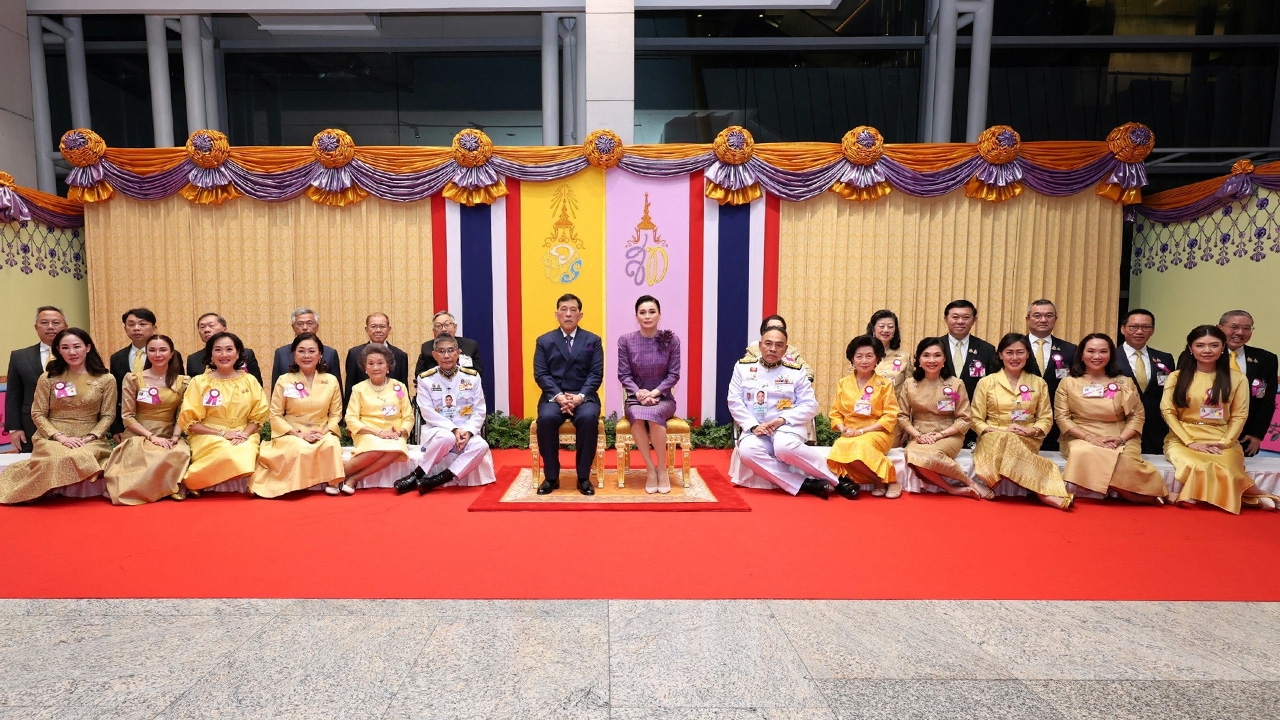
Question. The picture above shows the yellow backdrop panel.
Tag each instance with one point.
(255, 262)
(1183, 299)
(840, 261)
(21, 292)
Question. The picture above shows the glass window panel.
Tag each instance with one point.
(1137, 17)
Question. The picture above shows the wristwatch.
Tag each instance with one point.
(222, 433)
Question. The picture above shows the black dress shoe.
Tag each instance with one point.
(814, 486)
(410, 481)
(585, 487)
(435, 481)
(548, 486)
(847, 488)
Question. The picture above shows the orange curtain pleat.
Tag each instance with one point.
(672, 151)
(1185, 195)
(146, 161)
(536, 155)
(52, 203)
(930, 157)
(799, 156)
(271, 159)
(403, 159)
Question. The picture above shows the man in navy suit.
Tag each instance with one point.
(1260, 367)
(1149, 368)
(26, 365)
(1050, 356)
(303, 320)
(970, 357)
(568, 364)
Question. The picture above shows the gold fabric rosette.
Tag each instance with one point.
(603, 149)
(472, 149)
(208, 149)
(862, 146)
(1001, 178)
(1130, 143)
(333, 149)
(733, 146)
(84, 148)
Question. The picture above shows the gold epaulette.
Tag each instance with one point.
(429, 371)
(748, 361)
(792, 365)
(469, 371)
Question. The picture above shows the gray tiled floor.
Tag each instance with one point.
(638, 660)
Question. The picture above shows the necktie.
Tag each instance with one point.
(568, 342)
(1040, 356)
(1139, 371)
(138, 357)
(957, 358)
(1235, 365)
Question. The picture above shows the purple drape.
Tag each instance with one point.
(930, 184)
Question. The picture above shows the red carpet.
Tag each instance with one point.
(378, 545)
(727, 497)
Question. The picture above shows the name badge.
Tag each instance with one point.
(291, 392)
(449, 411)
(862, 407)
(1062, 373)
(1259, 389)
(977, 370)
(1093, 391)
(1212, 412)
(465, 361)
(1020, 416)
(213, 398)
(946, 405)
(64, 390)
(390, 411)
(150, 396)
(760, 410)
(1160, 378)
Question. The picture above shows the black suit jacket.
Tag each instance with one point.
(119, 367)
(466, 347)
(356, 374)
(24, 371)
(196, 366)
(980, 351)
(556, 370)
(1261, 370)
(1155, 428)
(1061, 353)
(284, 358)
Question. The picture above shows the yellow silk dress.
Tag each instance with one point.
(1217, 479)
(377, 410)
(239, 401)
(926, 407)
(91, 410)
(896, 366)
(855, 408)
(1095, 468)
(287, 463)
(140, 471)
(1004, 454)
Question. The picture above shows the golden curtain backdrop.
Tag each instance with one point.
(253, 263)
(840, 261)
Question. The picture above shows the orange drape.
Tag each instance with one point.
(1185, 195)
(1063, 155)
(146, 161)
(53, 203)
(403, 159)
(930, 157)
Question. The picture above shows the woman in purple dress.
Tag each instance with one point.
(648, 368)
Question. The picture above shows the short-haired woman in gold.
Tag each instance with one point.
(306, 406)
(222, 411)
(1012, 413)
(150, 462)
(865, 414)
(379, 418)
(73, 408)
(896, 364)
(1099, 412)
(933, 412)
(1206, 404)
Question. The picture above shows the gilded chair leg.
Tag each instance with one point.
(684, 449)
(622, 465)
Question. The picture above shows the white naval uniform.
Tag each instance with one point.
(783, 459)
(465, 410)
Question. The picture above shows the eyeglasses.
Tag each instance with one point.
(1043, 316)
(379, 327)
(442, 325)
(447, 350)
(1239, 328)
(1139, 328)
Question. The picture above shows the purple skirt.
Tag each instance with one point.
(660, 413)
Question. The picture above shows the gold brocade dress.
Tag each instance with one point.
(238, 401)
(856, 408)
(140, 471)
(1217, 479)
(287, 463)
(1111, 407)
(378, 410)
(896, 366)
(926, 407)
(997, 404)
(90, 410)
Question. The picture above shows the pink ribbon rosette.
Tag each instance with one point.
(213, 397)
(154, 395)
(897, 364)
(1057, 360)
(1024, 392)
(949, 393)
(1111, 390)
(400, 391)
(866, 392)
(60, 390)
(302, 390)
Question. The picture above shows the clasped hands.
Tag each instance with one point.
(769, 428)
(461, 438)
(1016, 430)
(311, 436)
(568, 403)
(648, 397)
(70, 441)
(1110, 443)
(1211, 448)
(164, 442)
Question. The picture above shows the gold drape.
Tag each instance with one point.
(842, 261)
(254, 262)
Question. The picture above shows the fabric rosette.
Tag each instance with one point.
(1239, 184)
(331, 183)
(209, 182)
(12, 207)
(731, 180)
(1130, 143)
(999, 176)
(86, 182)
(474, 180)
(603, 149)
(863, 176)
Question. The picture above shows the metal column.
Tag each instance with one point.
(77, 73)
(209, 63)
(979, 66)
(46, 178)
(161, 97)
(550, 79)
(193, 73)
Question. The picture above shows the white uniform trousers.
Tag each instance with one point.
(784, 460)
(438, 443)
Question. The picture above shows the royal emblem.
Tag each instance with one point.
(563, 261)
(646, 254)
